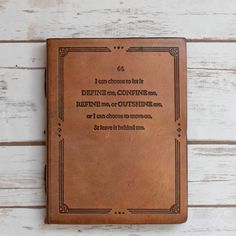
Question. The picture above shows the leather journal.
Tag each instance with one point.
(116, 131)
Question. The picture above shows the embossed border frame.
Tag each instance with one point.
(63, 207)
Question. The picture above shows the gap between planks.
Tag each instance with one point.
(23, 68)
(192, 142)
(189, 206)
(23, 143)
(203, 40)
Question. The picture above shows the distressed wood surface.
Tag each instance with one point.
(212, 175)
(22, 105)
(208, 25)
(23, 55)
(203, 19)
(211, 55)
(202, 221)
(22, 197)
(211, 105)
(22, 167)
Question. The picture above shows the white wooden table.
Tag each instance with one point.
(210, 28)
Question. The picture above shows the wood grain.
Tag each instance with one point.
(23, 55)
(211, 104)
(211, 19)
(212, 176)
(211, 56)
(22, 197)
(22, 105)
(22, 167)
(202, 221)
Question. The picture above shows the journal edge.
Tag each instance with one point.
(49, 219)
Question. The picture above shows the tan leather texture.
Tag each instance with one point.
(116, 137)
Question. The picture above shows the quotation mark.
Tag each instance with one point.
(120, 68)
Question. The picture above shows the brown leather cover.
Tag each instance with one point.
(116, 138)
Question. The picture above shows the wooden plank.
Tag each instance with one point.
(211, 105)
(22, 167)
(212, 176)
(22, 197)
(200, 55)
(201, 221)
(212, 19)
(26, 55)
(22, 105)
(211, 56)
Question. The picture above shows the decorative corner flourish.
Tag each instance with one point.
(64, 208)
(63, 51)
(174, 51)
(175, 208)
